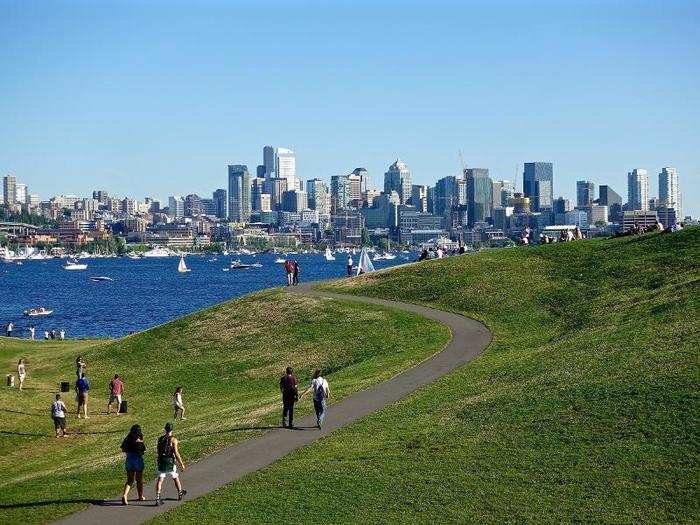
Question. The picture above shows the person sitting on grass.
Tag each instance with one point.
(168, 459)
(178, 404)
(58, 414)
(134, 448)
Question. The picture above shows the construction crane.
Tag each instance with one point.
(461, 162)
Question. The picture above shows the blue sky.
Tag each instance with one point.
(155, 97)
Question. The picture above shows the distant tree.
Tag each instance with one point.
(120, 245)
(366, 241)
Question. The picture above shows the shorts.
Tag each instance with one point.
(167, 469)
(82, 398)
(133, 462)
(21, 377)
(59, 422)
(113, 398)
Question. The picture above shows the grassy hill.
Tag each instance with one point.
(584, 408)
(228, 359)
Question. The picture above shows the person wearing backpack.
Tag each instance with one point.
(58, 414)
(319, 387)
(168, 459)
(116, 391)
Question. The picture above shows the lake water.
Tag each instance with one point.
(144, 293)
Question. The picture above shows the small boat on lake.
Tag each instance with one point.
(100, 278)
(238, 265)
(182, 267)
(38, 312)
(74, 265)
(329, 255)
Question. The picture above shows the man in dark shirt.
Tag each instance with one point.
(82, 387)
(289, 389)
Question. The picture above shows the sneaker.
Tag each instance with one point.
(124, 501)
(181, 494)
(159, 501)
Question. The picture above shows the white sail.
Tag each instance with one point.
(329, 255)
(365, 264)
(182, 267)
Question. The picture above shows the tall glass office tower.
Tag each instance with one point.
(538, 184)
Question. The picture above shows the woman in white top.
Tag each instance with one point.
(21, 372)
(178, 404)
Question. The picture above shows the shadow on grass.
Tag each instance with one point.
(244, 429)
(35, 413)
(31, 504)
(96, 432)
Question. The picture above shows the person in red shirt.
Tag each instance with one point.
(116, 390)
(289, 268)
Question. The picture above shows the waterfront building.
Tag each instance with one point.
(585, 193)
(220, 203)
(398, 179)
(9, 190)
(419, 197)
(669, 192)
(637, 190)
(538, 184)
(479, 195)
(239, 205)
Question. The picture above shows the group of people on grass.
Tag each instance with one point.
(168, 453)
(291, 269)
(48, 334)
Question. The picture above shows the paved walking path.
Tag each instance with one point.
(469, 338)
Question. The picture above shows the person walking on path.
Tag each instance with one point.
(289, 387)
(116, 391)
(134, 448)
(321, 392)
(82, 387)
(295, 277)
(21, 372)
(58, 414)
(178, 404)
(80, 365)
(289, 268)
(168, 459)
(349, 265)
(32, 332)
(8, 329)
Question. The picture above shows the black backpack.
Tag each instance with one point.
(165, 448)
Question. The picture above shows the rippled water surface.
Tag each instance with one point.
(144, 293)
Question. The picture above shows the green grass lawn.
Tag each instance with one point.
(228, 359)
(584, 408)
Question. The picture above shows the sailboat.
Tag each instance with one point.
(182, 267)
(328, 255)
(365, 264)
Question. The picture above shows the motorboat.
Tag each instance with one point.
(133, 255)
(100, 278)
(38, 312)
(238, 265)
(182, 267)
(73, 265)
(280, 260)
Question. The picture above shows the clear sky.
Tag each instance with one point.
(157, 97)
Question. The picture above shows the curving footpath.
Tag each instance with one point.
(469, 339)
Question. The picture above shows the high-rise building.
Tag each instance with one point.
(479, 195)
(176, 206)
(364, 178)
(193, 205)
(340, 192)
(21, 194)
(398, 179)
(585, 193)
(239, 193)
(208, 207)
(257, 188)
(281, 163)
(101, 196)
(277, 187)
(561, 205)
(607, 196)
(317, 192)
(538, 184)
(449, 191)
(419, 197)
(637, 190)
(9, 190)
(669, 191)
(219, 198)
(294, 201)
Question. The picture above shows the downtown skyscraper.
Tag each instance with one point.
(479, 195)
(637, 190)
(669, 192)
(398, 179)
(239, 205)
(538, 184)
(280, 163)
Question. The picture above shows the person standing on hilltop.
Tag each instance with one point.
(350, 265)
(32, 332)
(295, 270)
(168, 459)
(116, 390)
(21, 372)
(289, 387)
(58, 414)
(80, 365)
(8, 329)
(178, 404)
(289, 268)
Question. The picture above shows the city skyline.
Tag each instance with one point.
(101, 98)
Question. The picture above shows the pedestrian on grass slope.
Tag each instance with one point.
(134, 448)
(289, 387)
(82, 387)
(21, 372)
(289, 269)
(58, 415)
(168, 459)
(295, 273)
(116, 391)
(321, 392)
(178, 404)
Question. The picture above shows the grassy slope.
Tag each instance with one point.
(584, 408)
(228, 359)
